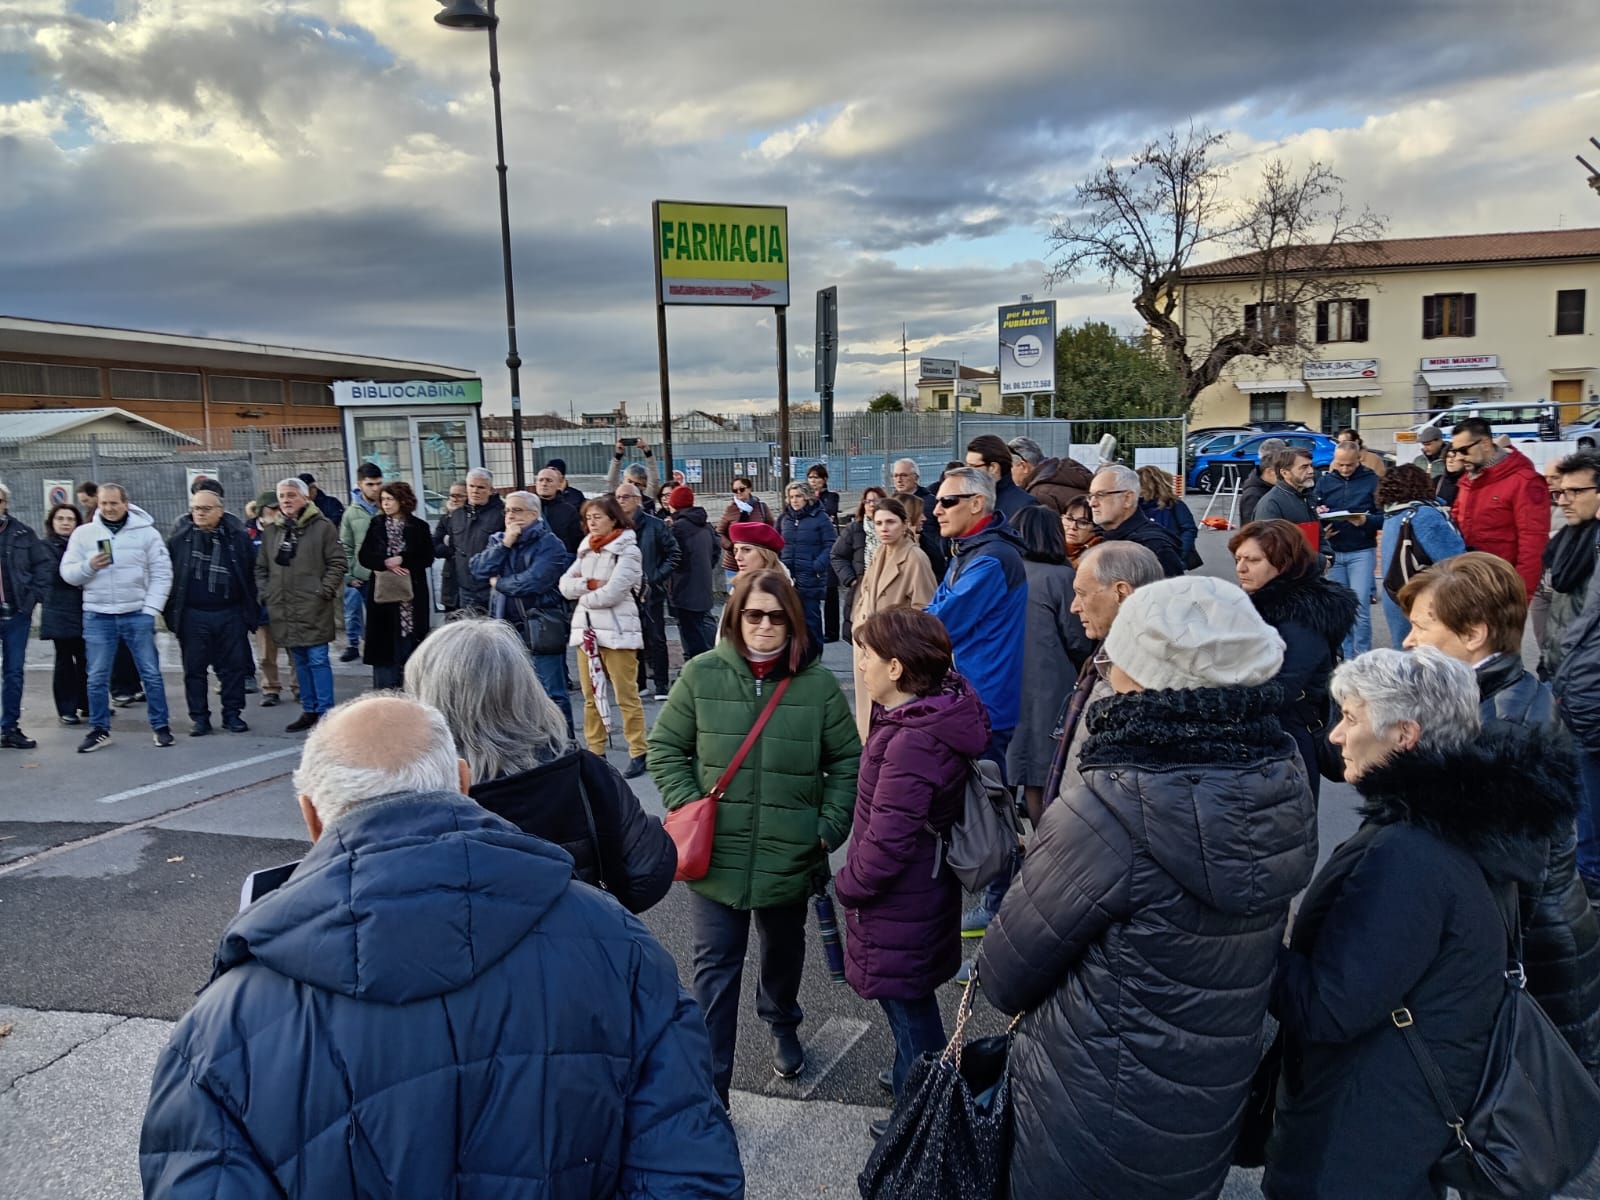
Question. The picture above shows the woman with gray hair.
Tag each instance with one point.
(1408, 913)
(525, 767)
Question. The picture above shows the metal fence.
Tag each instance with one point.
(156, 467)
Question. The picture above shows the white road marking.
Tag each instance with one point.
(823, 1053)
(193, 776)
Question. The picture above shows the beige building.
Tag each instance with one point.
(1425, 325)
(974, 391)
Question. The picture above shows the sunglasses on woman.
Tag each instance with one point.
(775, 617)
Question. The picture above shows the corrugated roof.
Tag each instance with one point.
(1459, 249)
(32, 425)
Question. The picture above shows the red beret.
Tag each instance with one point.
(680, 497)
(756, 533)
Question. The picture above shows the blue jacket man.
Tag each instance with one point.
(983, 598)
(431, 1007)
(1348, 486)
(523, 578)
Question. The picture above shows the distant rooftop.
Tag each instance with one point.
(37, 424)
(1459, 249)
(25, 335)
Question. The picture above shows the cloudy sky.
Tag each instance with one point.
(320, 172)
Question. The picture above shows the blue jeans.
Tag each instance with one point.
(137, 631)
(1354, 569)
(1399, 624)
(13, 649)
(552, 672)
(1589, 816)
(355, 616)
(312, 669)
(918, 1029)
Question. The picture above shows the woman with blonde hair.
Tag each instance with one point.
(757, 546)
(899, 575)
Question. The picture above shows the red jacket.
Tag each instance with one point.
(1505, 511)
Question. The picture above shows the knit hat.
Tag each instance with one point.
(266, 500)
(306, 477)
(1193, 632)
(1429, 433)
(558, 464)
(755, 533)
(680, 497)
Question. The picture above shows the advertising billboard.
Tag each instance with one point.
(722, 253)
(1028, 348)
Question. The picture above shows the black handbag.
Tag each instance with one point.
(950, 1135)
(1260, 1107)
(543, 632)
(1535, 1123)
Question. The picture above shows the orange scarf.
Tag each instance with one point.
(598, 542)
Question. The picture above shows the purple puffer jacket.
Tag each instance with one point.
(902, 917)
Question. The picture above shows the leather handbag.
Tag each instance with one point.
(389, 588)
(693, 827)
(1535, 1123)
(543, 631)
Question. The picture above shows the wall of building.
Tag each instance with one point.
(1515, 320)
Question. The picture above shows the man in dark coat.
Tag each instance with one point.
(1351, 486)
(459, 1011)
(1577, 689)
(1114, 500)
(449, 596)
(563, 516)
(905, 477)
(1053, 482)
(329, 506)
(694, 576)
(1141, 936)
(467, 532)
(988, 453)
(659, 551)
(565, 490)
(26, 570)
(1289, 500)
(213, 608)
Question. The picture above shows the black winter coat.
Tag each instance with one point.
(382, 648)
(1560, 932)
(562, 517)
(849, 555)
(1311, 614)
(62, 613)
(1250, 494)
(658, 550)
(26, 564)
(241, 557)
(1402, 915)
(629, 854)
(1140, 939)
(1577, 679)
(698, 555)
(468, 529)
(1142, 531)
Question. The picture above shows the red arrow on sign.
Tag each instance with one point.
(754, 291)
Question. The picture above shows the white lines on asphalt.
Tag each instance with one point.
(823, 1053)
(193, 776)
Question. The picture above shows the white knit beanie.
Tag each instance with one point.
(1193, 632)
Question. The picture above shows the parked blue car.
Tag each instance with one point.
(1212, 464)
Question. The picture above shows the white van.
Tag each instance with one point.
(1539, 421)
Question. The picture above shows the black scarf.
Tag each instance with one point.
(1570, 557)
(208, 563)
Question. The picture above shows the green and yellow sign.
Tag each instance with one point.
(722, 253)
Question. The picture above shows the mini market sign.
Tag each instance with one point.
(722, 253)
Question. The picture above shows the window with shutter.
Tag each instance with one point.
(1273, 323)
(1341, 321)
(1449, 314)
(1569, 310)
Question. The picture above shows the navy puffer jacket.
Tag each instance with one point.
(807, 542)
(432, 1007)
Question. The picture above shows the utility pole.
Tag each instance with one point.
(905, 393)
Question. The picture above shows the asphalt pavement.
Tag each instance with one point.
(119, 871)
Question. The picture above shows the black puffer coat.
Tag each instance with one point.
(638, 856)
(1401, 915)
(1560, 933)
(61, 615)
(1141, 937)
(1311, 614)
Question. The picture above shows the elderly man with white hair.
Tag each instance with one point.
(467, 531)
(1114, 502)
(300, 576)
(431, 1006)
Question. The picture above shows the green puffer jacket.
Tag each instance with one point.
(795, 789)
(301, 597)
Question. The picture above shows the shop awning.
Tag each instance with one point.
(1344, 389)
(1464, 381)
(1270, 385)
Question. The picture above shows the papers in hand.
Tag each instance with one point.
(1341, 514)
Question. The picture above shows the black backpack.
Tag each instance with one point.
(1409, 556)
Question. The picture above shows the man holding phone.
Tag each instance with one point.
(121, 562)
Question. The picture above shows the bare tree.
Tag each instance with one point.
(1294, 241)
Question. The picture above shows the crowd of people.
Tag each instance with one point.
(1166, 733)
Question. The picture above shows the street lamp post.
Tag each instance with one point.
(470, 14)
